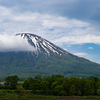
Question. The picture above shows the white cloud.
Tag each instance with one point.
(68, 45)
(65, 49)
(90, 48)
(78, 39)
(69, 31)
(38, 23)
(63, 22)
(14, 43)
(87, 56)
(81, 54)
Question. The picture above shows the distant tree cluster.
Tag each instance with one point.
(55, 85)
(62, 86)
(10, 82)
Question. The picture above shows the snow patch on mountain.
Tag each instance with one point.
(41, 44)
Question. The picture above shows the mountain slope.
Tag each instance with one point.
(47, 59)
(41, 45)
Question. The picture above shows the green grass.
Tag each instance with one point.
(5, 93)
(12, 94)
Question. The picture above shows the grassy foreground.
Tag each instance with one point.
(13, 94)
(9, 95)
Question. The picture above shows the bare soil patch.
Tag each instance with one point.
(58, 99)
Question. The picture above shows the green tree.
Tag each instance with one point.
(48, 79)
(98, 92)
(88, 88)
(65, 84)
(44, 85)
(72, 91)
(60, 80)
(54, 84)
(59, 76)
(38, 76)
(98, 84)
(93, 84)
(26, 84)
(34, 86)
(71, 81)
(58, 89)
(12, 80)
(78, 93)
(82, 82)
(62, 93)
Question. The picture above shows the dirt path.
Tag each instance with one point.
(58, 99)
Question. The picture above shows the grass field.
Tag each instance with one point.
(13, 94)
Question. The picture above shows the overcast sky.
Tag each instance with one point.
(73, 25)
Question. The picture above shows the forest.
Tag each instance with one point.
(54, 85)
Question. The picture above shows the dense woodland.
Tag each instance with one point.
(56, 85)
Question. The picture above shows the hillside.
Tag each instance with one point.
(47, 59)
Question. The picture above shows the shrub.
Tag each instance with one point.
(58, 89)
(20, 89)
(72, 91)
(63, 93)
(98, 92)
(79, 93)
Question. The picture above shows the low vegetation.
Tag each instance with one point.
(50, 87)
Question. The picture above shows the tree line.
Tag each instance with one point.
(56, 85)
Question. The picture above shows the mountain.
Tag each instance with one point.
(42, 45)
(45, 59)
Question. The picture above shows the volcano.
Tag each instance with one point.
(45, 59)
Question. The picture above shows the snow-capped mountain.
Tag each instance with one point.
(45, 59)
(41, 44)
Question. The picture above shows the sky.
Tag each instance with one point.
(73, 25)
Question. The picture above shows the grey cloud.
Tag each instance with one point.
(32, 16)
(41, 24)
(87, 10)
